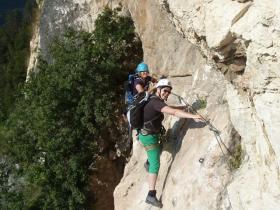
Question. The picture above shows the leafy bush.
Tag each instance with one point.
(62, 112)
(235, 160)
(15, 36)
(200, 103)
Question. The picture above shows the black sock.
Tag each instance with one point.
(152, 193)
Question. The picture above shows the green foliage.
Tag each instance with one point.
(62, 111)
(15, 36)
(200, 103)
(236, 159)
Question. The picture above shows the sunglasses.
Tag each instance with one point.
(166, 91)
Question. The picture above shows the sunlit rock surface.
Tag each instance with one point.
(222, 51)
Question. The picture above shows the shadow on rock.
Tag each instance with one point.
(174, 138)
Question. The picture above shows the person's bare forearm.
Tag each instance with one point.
(180, 113)
(183, 114)
(179, 107)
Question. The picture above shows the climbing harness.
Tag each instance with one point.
(151, 146)
(211, 127)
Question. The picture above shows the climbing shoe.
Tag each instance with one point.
(146, 165)
(153, 201)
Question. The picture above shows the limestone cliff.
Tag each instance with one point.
(224, 51)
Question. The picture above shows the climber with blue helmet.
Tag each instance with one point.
(149, 134)
(137, 83)
(142, 67)
(143, 80)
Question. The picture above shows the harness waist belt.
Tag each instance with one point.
(145, 132)
(151, 146)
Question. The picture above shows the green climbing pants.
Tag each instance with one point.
(150, 142)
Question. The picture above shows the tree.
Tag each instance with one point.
(15, 36)
(62, 112)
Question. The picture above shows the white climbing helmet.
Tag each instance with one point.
(163, 83)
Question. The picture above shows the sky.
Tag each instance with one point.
(8, 5)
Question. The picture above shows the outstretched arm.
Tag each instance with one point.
(179, 113)
(179, 107)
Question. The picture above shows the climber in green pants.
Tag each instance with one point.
(149, 134)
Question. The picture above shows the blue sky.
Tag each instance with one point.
(7, 5)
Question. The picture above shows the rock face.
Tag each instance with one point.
(241, 40)
(58, 15)
(225, 52)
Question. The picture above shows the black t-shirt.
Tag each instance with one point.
(143, 82)
(153, 117)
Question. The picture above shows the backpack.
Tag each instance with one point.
(129, 97)
(135, 115)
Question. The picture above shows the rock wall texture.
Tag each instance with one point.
(224, 51)
(58, 15)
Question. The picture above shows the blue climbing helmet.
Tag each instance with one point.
(142, 67)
